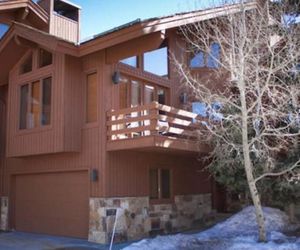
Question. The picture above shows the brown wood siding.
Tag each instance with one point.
(64, 28)
(53, 203)
(73, 104)
(63, 133)
(68, 119)
(3, 92)
(46, 5)
(42, 140)
(128, 173)
(119, 173)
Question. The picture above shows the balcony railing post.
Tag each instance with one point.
(154, 112)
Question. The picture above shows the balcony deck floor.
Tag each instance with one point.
(157, 143)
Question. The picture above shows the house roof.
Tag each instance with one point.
(13, 43)
(19, 37)
(36, 10)
(140, 27)
(120, 34)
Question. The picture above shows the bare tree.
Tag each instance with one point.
(256, 121)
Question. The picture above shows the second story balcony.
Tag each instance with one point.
(154, 127)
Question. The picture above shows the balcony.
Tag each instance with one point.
(154, 127)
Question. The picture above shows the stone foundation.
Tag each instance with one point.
(137, 218)
(4, 213)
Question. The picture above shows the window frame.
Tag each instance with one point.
(161, 200)
(143, 84)
(39, 66)
(164, 45)
(40, 126)
(141, 61)
(28, 55)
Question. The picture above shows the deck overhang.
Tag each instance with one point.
(158, 143)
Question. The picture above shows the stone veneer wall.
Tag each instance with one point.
(137, 218)
(4, 213)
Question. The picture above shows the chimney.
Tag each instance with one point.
(64, 19)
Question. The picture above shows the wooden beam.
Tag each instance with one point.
(24, 42)
(22, 14)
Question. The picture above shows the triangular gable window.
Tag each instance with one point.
(3, 29)
(26, 65)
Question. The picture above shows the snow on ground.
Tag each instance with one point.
(239, 232)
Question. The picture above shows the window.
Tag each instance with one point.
(46, 107)
(131, 61)
(156, 62)
(161, 96)
(211, 59)
(35, 104)
(3, 29)
(45, 58)
(160, 183)
(23, 106)
(148, 94)
(213, 111)
(198, 60)
(136, 97)
(214, 56)
(26, 66)
(91, 98)
(136, 92)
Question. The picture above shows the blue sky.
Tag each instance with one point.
(102, 15)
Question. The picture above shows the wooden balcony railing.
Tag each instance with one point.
(152, 119)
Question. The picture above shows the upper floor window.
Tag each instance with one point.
(26, 66)
(131, 61)
(35, 104)
(134, 92)
(213, 58)
(210, 59)
(45, 58)
(198, 60)
(156, 62)
(3, 29)
(91, 98)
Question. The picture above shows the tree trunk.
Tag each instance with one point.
(249, 169)
(291, 212)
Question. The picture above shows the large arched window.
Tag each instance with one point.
(3, 29)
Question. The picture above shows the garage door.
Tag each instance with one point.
(55, 204)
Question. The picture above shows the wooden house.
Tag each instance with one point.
(91, 129)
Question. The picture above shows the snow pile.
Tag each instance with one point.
(239, 232)
(244, 223)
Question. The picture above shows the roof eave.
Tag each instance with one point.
(155, 25)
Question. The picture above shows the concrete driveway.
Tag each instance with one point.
(27, 241)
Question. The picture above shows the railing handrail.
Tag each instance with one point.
(151, 105)
(147, 120)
